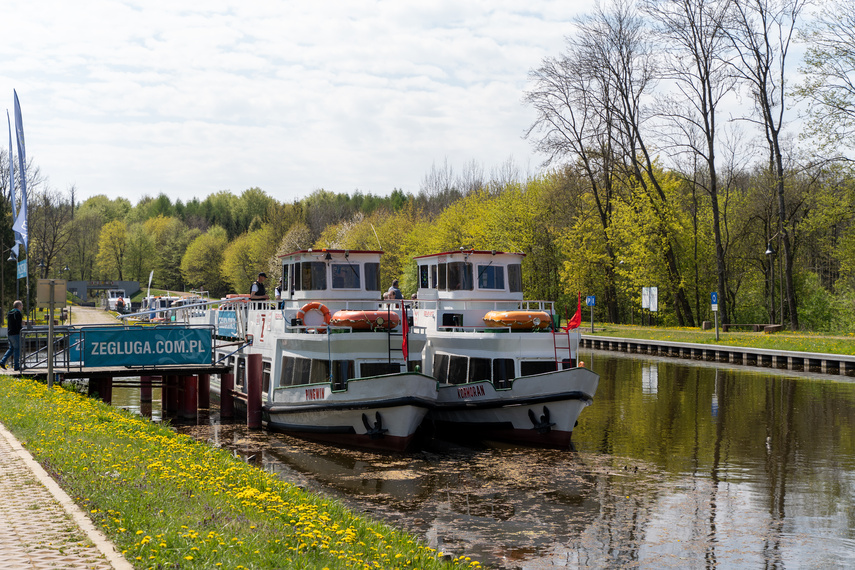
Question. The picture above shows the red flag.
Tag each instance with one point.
(405, 328)
(577, 318)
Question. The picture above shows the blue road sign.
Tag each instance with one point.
(714, 298)
(591, 300)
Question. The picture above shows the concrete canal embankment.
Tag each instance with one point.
(842, 364)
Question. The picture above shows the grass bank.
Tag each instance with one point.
(797, 341)
(167, 501)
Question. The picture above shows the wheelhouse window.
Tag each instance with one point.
(455, 276)
(423, 277)
(491, 277)
(515, 278)
(345, 276)
(285, 282)
(433, 281)
(314, 275)
(372, 276)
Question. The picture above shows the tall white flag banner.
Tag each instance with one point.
(20, 225)
(11, 168)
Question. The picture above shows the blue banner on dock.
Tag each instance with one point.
(147, 346)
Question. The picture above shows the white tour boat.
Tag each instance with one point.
(117, 300)
(340, 364)
(504, 372)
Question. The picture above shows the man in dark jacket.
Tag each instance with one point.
(257, 292)
(15, 320)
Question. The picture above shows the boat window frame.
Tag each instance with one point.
(347, 272)
(315, 279)
(515, 277)
(371, 272)
(491, 273)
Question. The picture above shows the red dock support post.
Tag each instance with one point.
(171, 395)
(227, 398)
(190, 385)
(204, 391)
(253, 391)
(145, 389)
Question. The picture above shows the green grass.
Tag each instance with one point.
(793, 341)
(167, 501)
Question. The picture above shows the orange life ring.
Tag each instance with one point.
(366, 320)
(518, 320)
(315, 306)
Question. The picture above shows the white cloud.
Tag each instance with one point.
(188, 98)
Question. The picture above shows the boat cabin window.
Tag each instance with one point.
(297, 371)
(450, 369)
(265, 376)
(503, 372)
(515, 278)
(379, 368)
(423, 277)
(433, 282)
(285, 282)
(455, 276)
(491, 277)
(457, 369)
(372, 276)
(532, 367)
(479, 369)
(345, 276)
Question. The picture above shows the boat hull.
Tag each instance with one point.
(539, 410)
(382, 412)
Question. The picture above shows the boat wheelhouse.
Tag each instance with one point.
(505, 371)
(340, 364)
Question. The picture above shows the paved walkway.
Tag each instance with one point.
(40, 526)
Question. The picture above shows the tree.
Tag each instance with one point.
(202, 260)
(49, 234)
(829, 68)
(138, 258)
(112, 243)
(761, 31)
(695, 41)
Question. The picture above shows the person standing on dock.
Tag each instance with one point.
(257, 292)
(16, 321)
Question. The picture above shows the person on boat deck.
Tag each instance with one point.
(15, 322)
(394, 292)
(277, 292)
(257, 292)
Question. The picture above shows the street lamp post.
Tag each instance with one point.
(67, 272)
(770, 253)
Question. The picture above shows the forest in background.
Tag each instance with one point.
(643, 187)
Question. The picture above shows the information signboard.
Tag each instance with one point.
(147, 346)
(227, 324)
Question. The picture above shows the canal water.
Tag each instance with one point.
(677, 465)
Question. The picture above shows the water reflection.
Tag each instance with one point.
(677, 465)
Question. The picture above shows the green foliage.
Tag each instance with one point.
(202, 260)
(169, 502)
(111, 250)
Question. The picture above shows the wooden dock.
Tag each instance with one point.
(842, 364)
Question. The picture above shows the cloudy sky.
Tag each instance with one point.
(136, 97)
